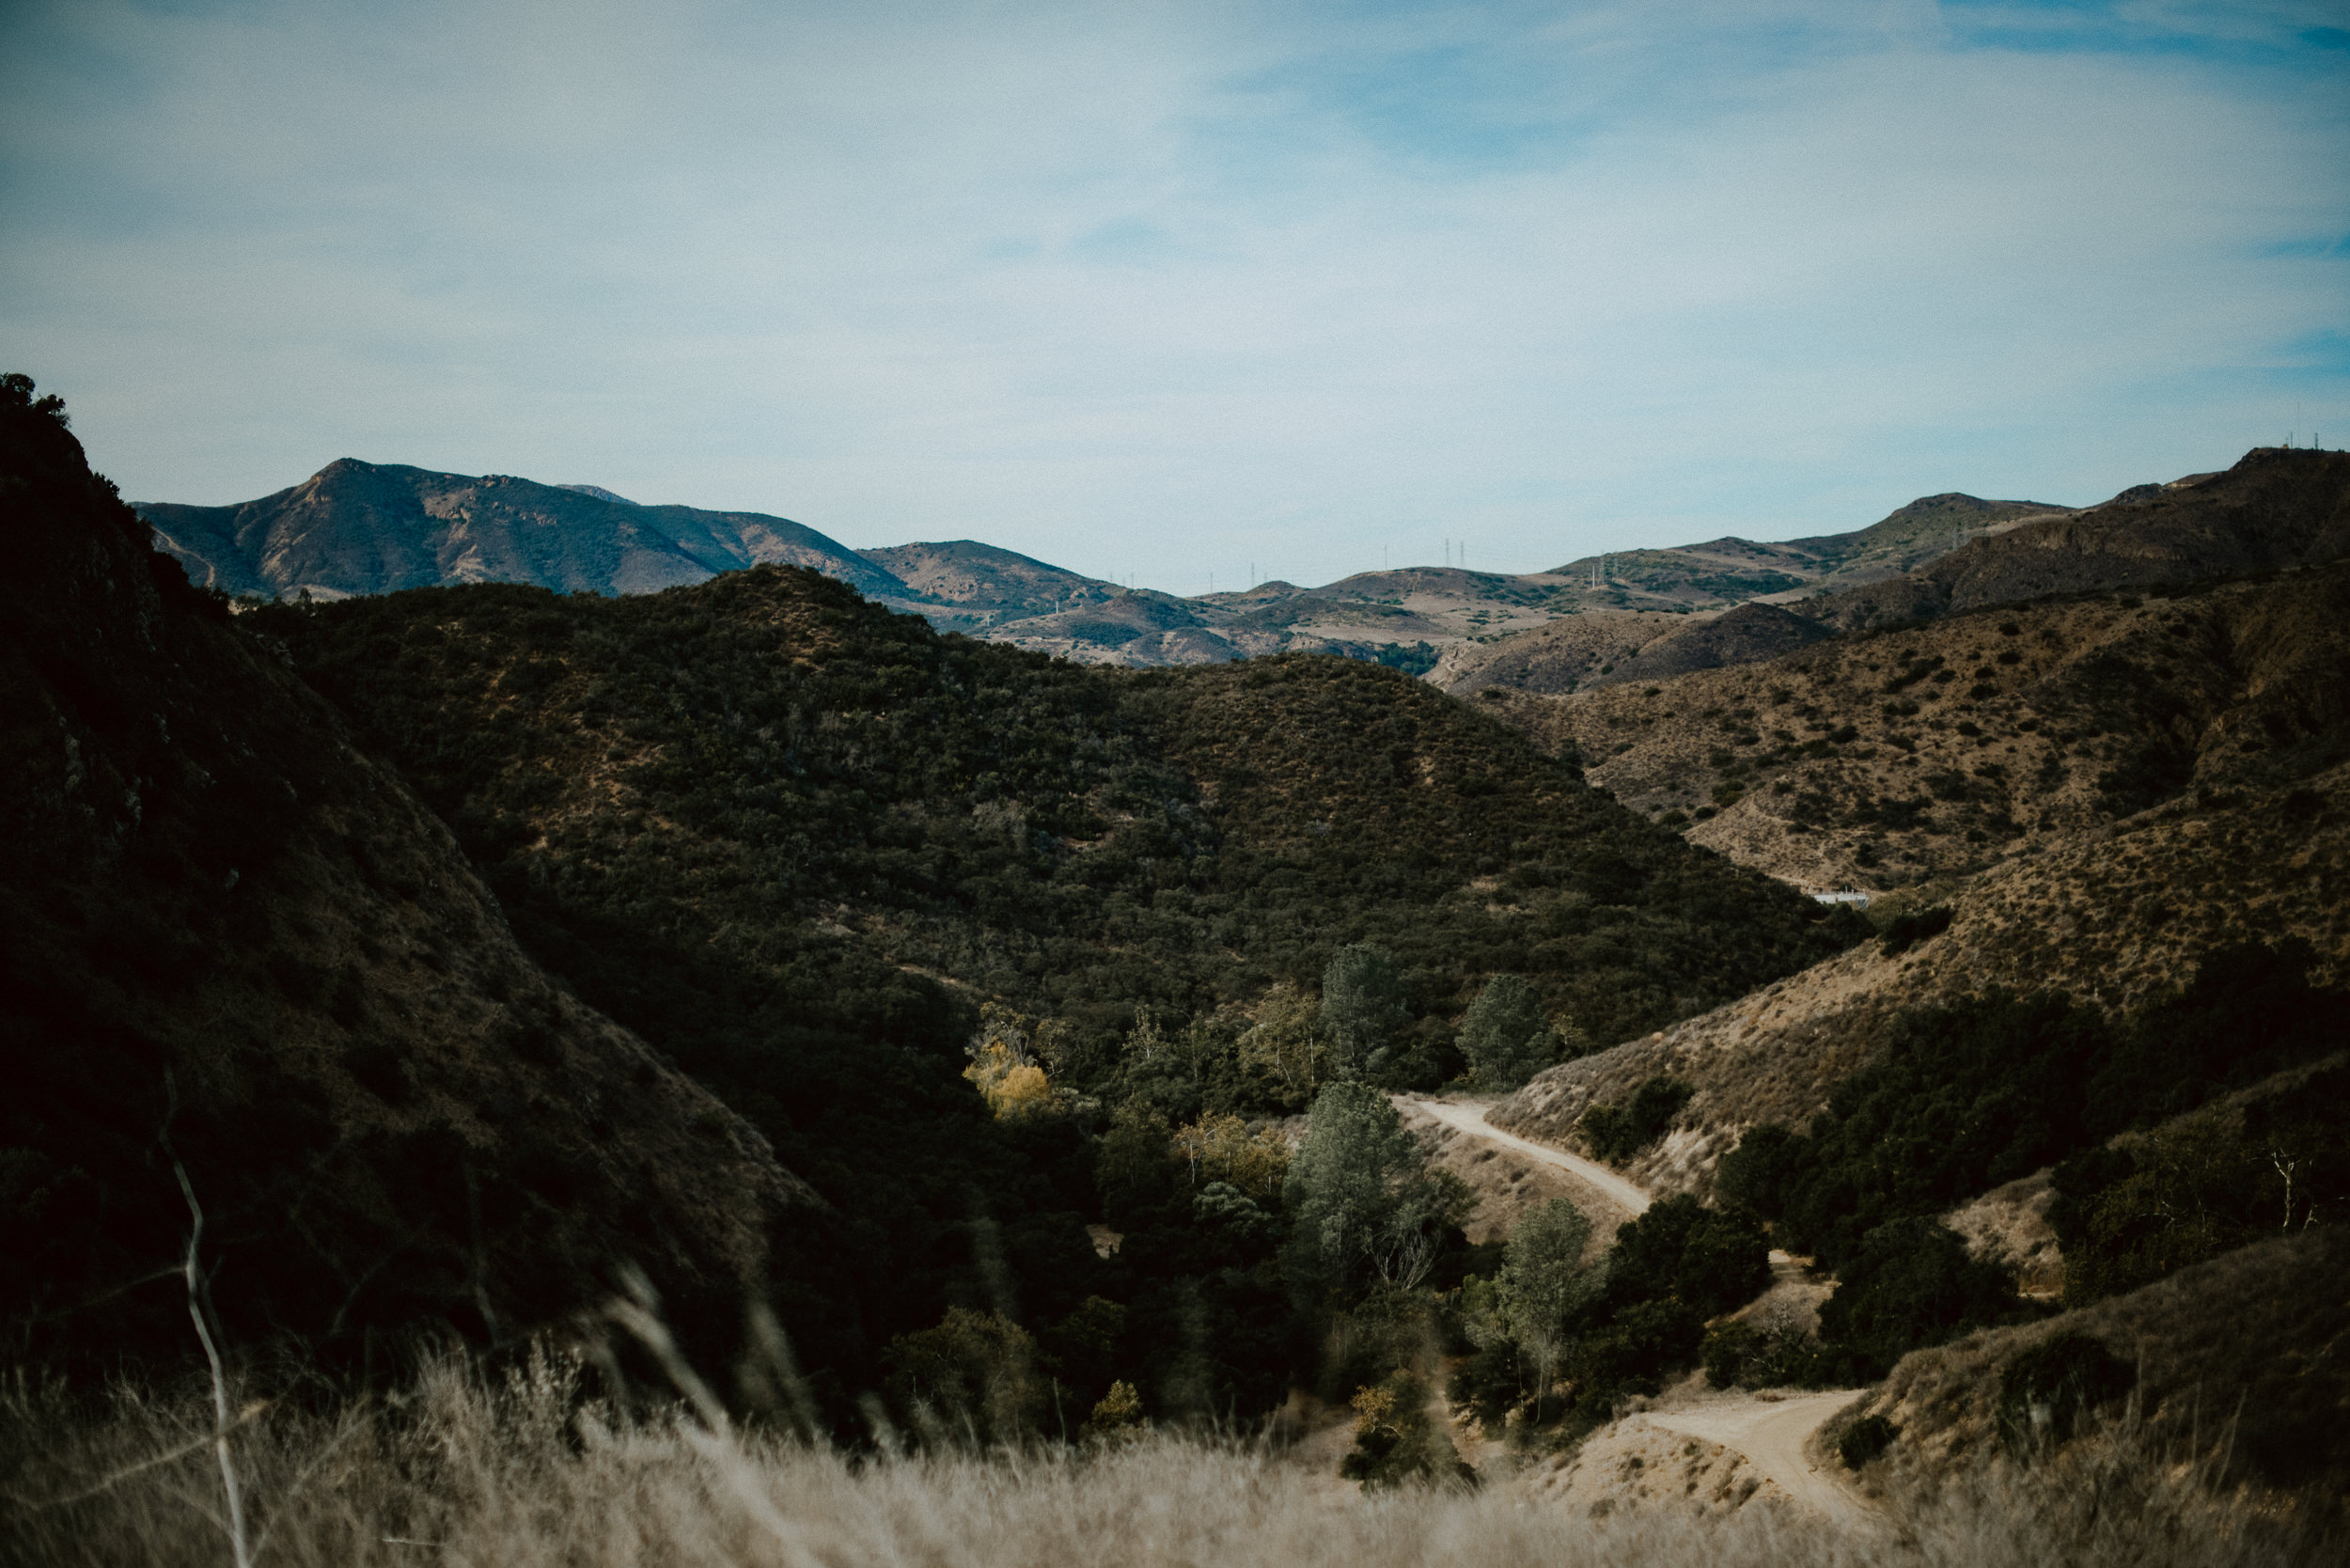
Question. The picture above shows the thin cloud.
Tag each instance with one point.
(1148, 294)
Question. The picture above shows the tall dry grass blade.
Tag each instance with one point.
(221, 1424)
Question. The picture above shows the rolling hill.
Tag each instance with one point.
(234, 946)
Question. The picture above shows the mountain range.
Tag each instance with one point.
(356, 528)
(479, 950)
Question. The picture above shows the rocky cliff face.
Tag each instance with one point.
(232, 943)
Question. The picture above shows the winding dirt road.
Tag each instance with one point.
(1770, 1432)
(1771, 1436)
(1469, 1116)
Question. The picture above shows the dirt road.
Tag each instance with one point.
(1469, 1116)
(1772, 1436)
(1770, 1432)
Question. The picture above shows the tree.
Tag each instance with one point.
(1394, 1439)
(1362, 1006)
(1134, 1168)
(1287, 1048)
(1911, 1285)
(1544, 1283)
(1361, 1197)
(1008, 1061)
(1505, 1036)
(1220, 1149)
(973, 1375)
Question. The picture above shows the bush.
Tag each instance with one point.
(1395, 1441)
(1728, 1349)
(1864, 1440)
(1641, 1343)
(1906, 930)
(2047, 1390)
(1725, 1262)
(1912, 1285)
(1615, 1136)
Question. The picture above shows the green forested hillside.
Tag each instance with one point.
(796, 842)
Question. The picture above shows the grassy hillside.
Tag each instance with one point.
(1889, 758)
(767, 750)
(2111, 918)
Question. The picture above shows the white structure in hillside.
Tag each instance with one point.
(1858, 900)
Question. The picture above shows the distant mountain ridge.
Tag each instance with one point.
(356, 528)
(361, 527)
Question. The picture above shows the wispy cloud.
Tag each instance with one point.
(1156, 293)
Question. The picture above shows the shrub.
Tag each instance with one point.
(2047, 1390)
(1615, 1136)
(1864, 1440)
(1906, 930)
(1728, 1349)
(1395, 1441)
(1912, 1285)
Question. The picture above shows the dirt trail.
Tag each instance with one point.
(1772, 1434)
(1469, 1116)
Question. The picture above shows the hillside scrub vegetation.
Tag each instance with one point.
(1892, 756)
(1969, 1096)
(812, 852)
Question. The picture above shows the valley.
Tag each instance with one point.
(604, 947)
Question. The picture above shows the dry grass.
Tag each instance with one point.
(527, 1471)
(2072, 919)
(2239, 675)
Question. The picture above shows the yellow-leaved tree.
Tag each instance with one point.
(1009, 1058)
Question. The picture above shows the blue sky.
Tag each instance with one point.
(1161, 291)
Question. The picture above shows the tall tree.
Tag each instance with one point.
(1362, 1005)
(1505, 1036)
(1361, 1199)
(1544, 1283)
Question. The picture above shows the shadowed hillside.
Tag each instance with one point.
(842, 787)
(233, 942)
(1880, 760)
(2278, 508)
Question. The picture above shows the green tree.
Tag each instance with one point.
(1362, 1006)
(1361, 1200)
(1544, 1285)
(1134, 1168)
(973, 1376)
(1505, 1036)
(1287, 1049)
(1394, 1439)
(1911, 1285)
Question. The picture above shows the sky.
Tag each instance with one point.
(1188, 294)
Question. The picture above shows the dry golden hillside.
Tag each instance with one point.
(2244, 1354)
(2111, 916)
(1886, 758)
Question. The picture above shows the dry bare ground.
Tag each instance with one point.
(1509, 1174)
